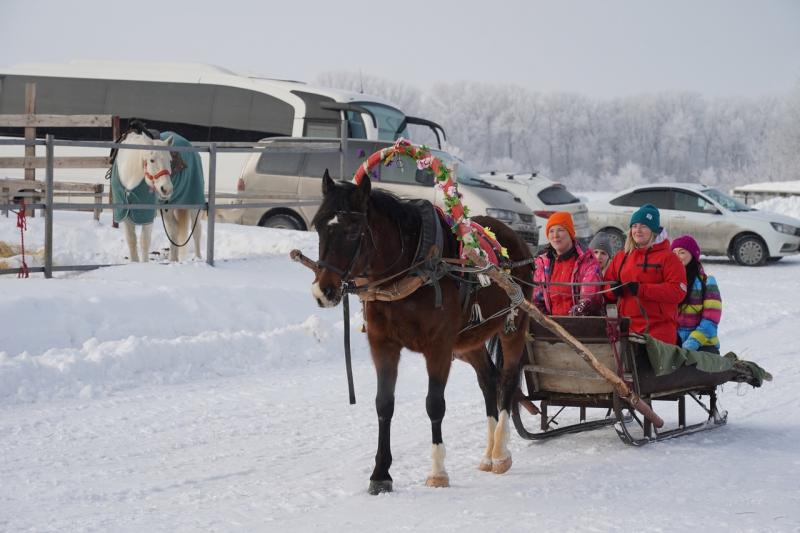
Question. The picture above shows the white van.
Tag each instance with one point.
(203, 103)
(291, 169)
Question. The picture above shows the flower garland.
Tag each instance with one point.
(457, 214)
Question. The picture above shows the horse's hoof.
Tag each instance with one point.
(379, 487)
(485, 465)
(440, 481)
(501, 466)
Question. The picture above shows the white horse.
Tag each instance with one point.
(188, 186)
(135, 165)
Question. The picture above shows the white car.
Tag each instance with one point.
(720, 224)
(544, 197)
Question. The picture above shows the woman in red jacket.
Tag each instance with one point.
(647, 279)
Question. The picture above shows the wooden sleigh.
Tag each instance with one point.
(556, 378)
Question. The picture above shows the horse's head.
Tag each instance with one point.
(343, 230)
(158, 168)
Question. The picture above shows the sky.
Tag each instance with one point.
(600, 49)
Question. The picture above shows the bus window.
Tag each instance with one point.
(355, 126)
(318, 128)
(389, 120)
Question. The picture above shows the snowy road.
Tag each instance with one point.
(229, 413)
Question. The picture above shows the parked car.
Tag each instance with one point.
(290, 169)
(544, 197)
(721, 224)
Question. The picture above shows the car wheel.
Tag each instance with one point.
(749, 250)
(281, 221)
(615, 237)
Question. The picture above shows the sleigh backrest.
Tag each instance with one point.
(555, 367)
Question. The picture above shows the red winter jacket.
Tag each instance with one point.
(662, 286)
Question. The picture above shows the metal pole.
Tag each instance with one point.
(212, 200)
(343, 145)
(48, 210)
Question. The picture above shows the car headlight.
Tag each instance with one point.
(786, 228)
(506, 215)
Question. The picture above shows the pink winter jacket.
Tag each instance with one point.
(586, 299)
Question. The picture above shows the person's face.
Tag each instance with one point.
(641, 234)
(559, 238)
(683, 255)
(602, 257)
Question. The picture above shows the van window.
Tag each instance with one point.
(279, 163)
(316, 163)
(557, 194)
(405, 171)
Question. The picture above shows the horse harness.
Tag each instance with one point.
(427, 268)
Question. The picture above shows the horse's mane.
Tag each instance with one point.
(400, 211)
(129, 162)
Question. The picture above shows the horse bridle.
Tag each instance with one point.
(363, 226)
(363, 229)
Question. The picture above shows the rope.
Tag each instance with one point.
(194, 225)
(22, 224)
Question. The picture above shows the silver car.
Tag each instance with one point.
(721, 224)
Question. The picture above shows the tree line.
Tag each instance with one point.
(604, 144)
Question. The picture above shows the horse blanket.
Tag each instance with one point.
(187, 182)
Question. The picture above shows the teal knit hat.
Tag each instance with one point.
(647, 215)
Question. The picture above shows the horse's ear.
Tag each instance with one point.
(327, 183)
(169, 140)
(362, 191)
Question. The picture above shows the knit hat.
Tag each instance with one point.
(602, 242)
(563, 219)
(688, 243)
(649, 216)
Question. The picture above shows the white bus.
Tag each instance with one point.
(201, 102)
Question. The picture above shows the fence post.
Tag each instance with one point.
(48, 210)
(98, 199)
(212, 200)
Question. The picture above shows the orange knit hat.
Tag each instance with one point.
(563, 219)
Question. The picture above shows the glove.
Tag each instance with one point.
(617, 288)
(691, 344)
(579, 309)
(620, 289)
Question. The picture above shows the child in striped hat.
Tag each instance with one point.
(700, 311)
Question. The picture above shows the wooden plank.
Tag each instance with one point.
(58, 162)
(30, 132)
(66, 186)
(56, 121)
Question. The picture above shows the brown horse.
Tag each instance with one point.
(374, 235)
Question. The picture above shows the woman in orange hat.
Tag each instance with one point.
(564, 262)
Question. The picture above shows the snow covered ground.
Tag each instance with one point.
(188, 398)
